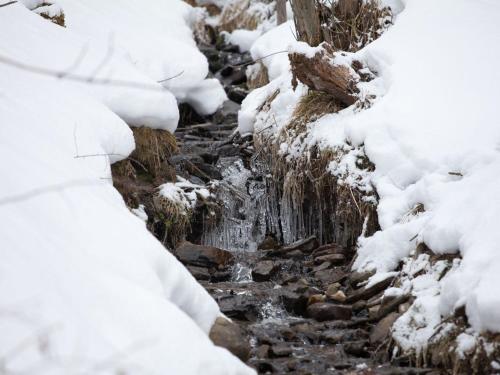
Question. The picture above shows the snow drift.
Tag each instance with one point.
(85, 288)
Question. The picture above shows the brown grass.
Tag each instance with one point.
(348, 31)
(236, 15)
(304, 185)
(153, 147)
(176, 218)
(58, 20)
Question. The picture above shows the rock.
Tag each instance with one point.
(238, 77)
(383, 328)
(306, 246)
(269, 243)
(358, 306)
(330, 276)
(236, 94)
(294, 254)
(335, 259)
(229, 335)
(241, 307)
(203, 256)
(264, 270)
(339, 296)
(281, 350)
(373, 311)
(262, 351)
(316, 298)
(293, 302)
(224, 275)
(357, 277)
(323, 266)
(366, 293)
(329, 311)
(199, 273)
(357, 348)
(404, 307)
(332, 289)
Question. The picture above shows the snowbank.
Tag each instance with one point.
(434, 135)
(85, 288)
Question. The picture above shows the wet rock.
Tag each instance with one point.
(203, 256)
(329, 311)
(241, 307)
(269, 243)
(294, 254)
(357, 348)
(229, 335)
(224, 275)
(236, 94)
(237, 77)
(294, 302)
(357, 277)
(262, 351)
(366, 293)
(264, 270)
(227, 114)
(306, 246)
(281, 350)
(358, 306)
(332, 289)
(335, 259)
(209, 170)
(199, 273)
(383, 328)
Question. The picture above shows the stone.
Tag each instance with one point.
(236, 94)
(231, 336)
(358, 306)
(335, 259)
(332, 289)
(373, 311)
(294, 254)
(357, 277)
(329, 311)
(323, 266)
(306, 246)
(404, 307)
(264, 270)
(357, 348)
(383, 328)
(293, 302)
(240, 306)
(203, 256)
(280, 350)
(366, 293)
(262, 351)
(339, 296)
(316, 298)
(330, 276)
(269, 243)
(199, 273)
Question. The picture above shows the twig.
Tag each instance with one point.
(355, 201)
(9, 3)
(257, 60)
(81, 78)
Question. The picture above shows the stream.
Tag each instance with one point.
(298, 304)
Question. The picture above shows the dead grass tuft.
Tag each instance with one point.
(153, 147)
(175, 217)
(238, 14)
(353, 26)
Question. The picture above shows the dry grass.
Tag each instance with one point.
(58, 19)
(176, 218)
(352, 30)
(153, 147)
(311, 107)
(238, 15)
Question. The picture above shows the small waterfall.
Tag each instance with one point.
(242, 224)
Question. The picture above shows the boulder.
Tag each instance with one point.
(203, 256)
(264, 270)
(240, 306)
(329, 311)
(231, 336)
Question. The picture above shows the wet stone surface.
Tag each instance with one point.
(296, 308)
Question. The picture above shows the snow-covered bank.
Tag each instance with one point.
(85, 287)
(433, 134)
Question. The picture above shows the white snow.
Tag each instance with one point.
(85, 287)
(433, 134)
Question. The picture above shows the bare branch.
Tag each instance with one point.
(9, 3)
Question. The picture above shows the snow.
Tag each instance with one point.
(85, 287)
(433, 133)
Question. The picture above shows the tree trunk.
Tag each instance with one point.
(280, 11)
(319, 73)
(307, 21)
